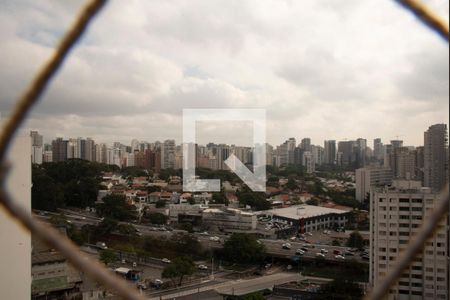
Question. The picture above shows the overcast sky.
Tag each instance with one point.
(325, 69)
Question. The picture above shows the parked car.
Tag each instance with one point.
(300, 252)
(157, 283)
(304, 249)
(214, 239)
(142, 286)
(349, 254)
(324, 251)
(287, 246)
(203, 267)
(340, 257)
(320, 255)
(336, 252)
(166, 261)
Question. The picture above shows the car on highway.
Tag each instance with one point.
(204, 233)
(287, 246)
(320, 255)
(157, 283)
(166, 261)
(324, 251)
(215, 239)
(203, 267)
(300, 252)
(340, 257)
(304, 249)
(142, 286)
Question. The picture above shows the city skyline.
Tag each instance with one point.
(370, 141)
(317, 74)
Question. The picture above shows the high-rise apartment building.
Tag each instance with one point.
(308, 162)
(59, 149)
(378, 149)
(222, 154)
(405, 163)
(168, 154)
(436, 157)
(396, 215)
(290, 147)
(348, 154)
(330, 152)
(369, 177)
(89, 151)
(318, 153)
(306, 144)
(37, 147)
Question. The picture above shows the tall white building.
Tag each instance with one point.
(397, 214)
(318, 153)
(369, 177)
(37, 147)
(308, 162)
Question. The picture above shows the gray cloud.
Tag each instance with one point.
(322, 68)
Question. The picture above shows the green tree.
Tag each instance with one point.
(133, 172)
(108, 256)
(186, 243)
(152, 189)
(126, 229)
(46, 193)
(156, 218)
(116, 207)
(160, 204)
(314, 202)
(106, 227)
(243, 248)
(180, 268)
(254, 296)
(257, 201)
(355, 240)
(59, 220)
(340, 289)
(292, 184)
(336, 243)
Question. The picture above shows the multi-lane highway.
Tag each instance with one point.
(215, 241)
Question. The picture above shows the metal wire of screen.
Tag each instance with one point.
(98, 272)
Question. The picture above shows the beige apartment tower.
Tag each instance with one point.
(397, 212)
